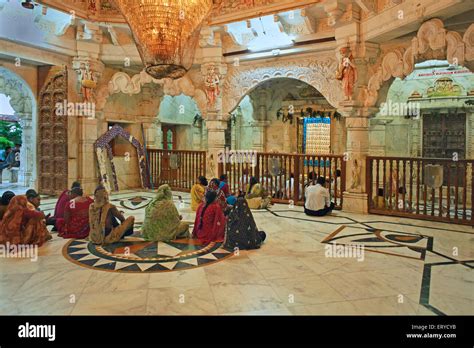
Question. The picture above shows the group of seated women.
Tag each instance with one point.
(255, 195)
(223, 216)
(75, 216)
(220, 216)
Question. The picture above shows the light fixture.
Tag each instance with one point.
(28, 4)
(166, 32)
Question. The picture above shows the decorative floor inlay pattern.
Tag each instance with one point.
(135, 277)
(134, 255)
(397, 244)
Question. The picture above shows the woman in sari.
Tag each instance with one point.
(256, 196)
(197, 192)
(62, 202)
(241, 230)
(4, 201)
(107, 224)
(23, 224)
(209, 225)
(221, 199)
(162, 219)
(75, 223)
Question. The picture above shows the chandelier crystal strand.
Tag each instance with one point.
(166, 32)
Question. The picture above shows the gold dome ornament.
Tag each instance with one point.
(166, 33)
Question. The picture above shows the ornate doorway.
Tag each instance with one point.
(52, 137)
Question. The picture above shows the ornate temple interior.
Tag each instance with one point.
(340, 134)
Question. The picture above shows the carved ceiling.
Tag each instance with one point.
(229, 11)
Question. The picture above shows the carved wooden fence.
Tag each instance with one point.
(285, 176)
(424, 188)
(177, 168)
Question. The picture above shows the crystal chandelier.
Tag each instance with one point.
(166, 32)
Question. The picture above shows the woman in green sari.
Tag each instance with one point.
(162, 219)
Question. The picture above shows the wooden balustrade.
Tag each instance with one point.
(401, 186)
(285, 176)
(177, 168)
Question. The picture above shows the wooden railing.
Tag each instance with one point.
(285, 176)
(177, 168)
(398, 186)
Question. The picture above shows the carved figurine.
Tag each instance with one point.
(87, 82)
(212, 165)
(355, 175)
(347, 72)
(212, 86)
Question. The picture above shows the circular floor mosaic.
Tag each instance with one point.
(135, 255)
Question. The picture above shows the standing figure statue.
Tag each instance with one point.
(87, 82)
(355, 175)
(346, 72)
(212, 86)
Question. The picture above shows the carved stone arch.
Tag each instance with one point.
(318, 73)
(121, 82)
(52, 136)
(23, 102)
(432, 41)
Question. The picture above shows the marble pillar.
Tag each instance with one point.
(87, 171)
(355, 196)
(27, 172)
(215, 143)
(259, 135)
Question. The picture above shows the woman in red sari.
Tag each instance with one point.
(23, 224)
(75, 223)
(62, 202)
(209, 225)
(214, 187)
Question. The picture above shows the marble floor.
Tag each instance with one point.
(407, 267)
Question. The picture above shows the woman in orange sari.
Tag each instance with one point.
(23, 224)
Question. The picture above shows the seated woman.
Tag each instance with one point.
(241, 230)
(224, 187)
(104, 220)
(209, 225)
(197, 192)
(256, 196)
(62, 202)
(75, 223)
(23, 224)
(4, 201)
(162, 219)
(221, 199)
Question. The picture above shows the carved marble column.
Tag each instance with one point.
(83, 131)
(213, 70)
(215, 143)
(358, 55)
(259, 135)
(27, 174)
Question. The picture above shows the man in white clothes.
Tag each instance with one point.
(318, 201)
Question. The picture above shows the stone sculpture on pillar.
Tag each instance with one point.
(212, 86)
(347, 72)
(89, 72)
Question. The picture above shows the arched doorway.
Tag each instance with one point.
(285, 133)
(23, 103)
(279, 114)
